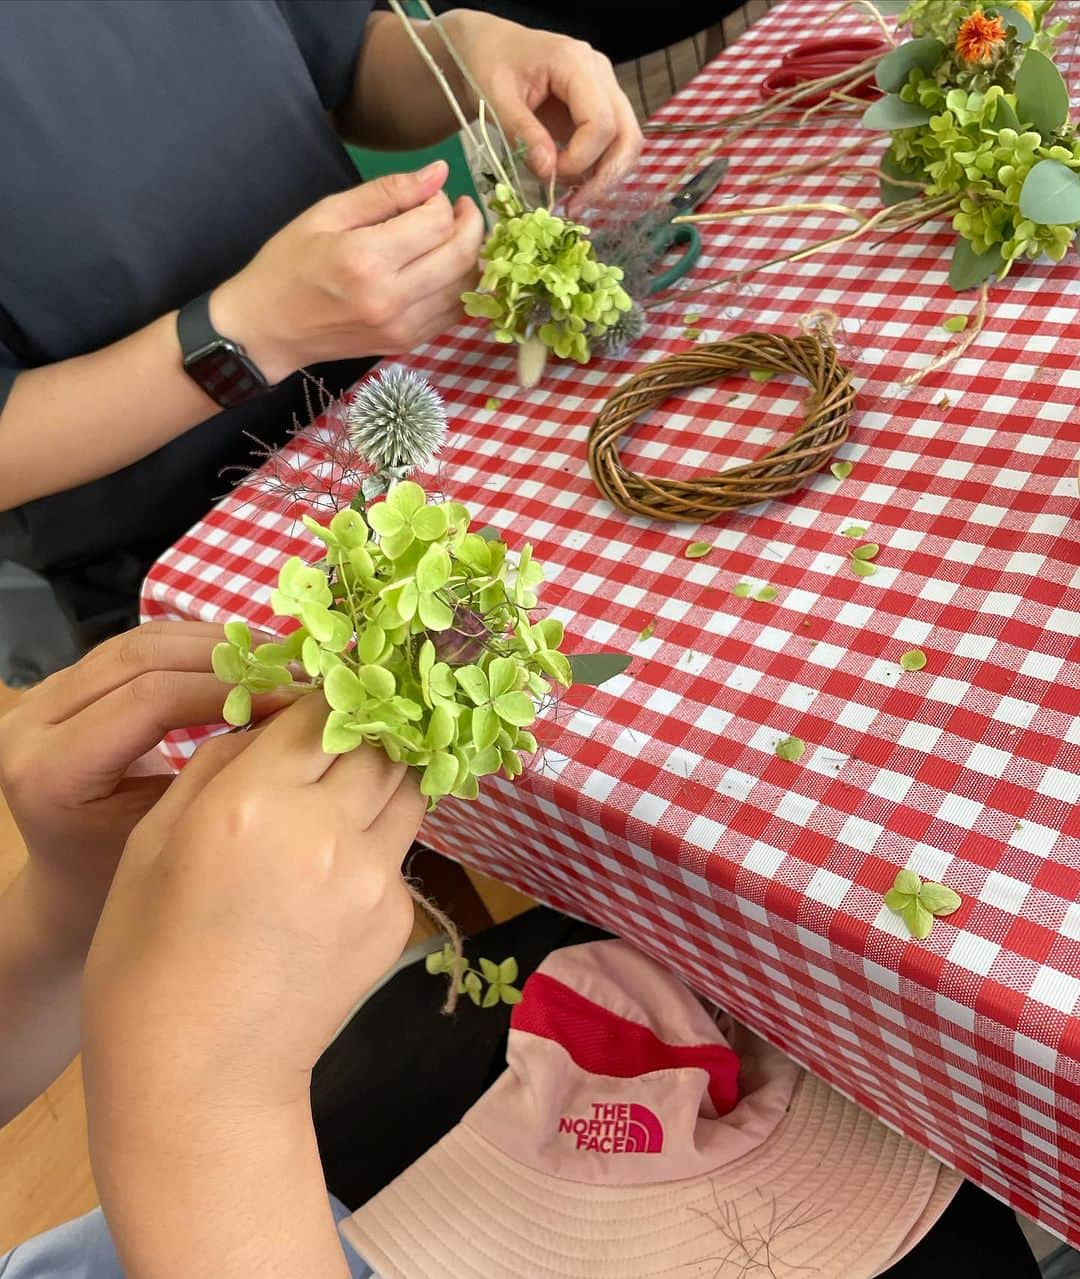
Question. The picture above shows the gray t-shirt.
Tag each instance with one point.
(149, 148)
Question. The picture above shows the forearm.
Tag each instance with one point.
(68, 423)
(223, 1192)
(40, 971)
(397, 103)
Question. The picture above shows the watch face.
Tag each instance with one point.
(226, 374)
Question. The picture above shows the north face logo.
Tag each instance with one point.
(616, 1128)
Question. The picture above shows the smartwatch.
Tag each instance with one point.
(221, 367)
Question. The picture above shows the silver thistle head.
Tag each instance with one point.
(617, 340)
(397, 422)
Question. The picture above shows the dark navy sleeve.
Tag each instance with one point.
(329, 34)
(10, 368)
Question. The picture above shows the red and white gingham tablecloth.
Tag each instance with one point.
(659, 808)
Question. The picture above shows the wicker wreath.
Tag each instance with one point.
(825, 425)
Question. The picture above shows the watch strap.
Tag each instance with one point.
(220, 366)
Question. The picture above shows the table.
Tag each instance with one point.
(659, 807)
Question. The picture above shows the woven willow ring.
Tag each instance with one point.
(825, 425)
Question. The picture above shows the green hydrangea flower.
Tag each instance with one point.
(543, 280)
(420, 635)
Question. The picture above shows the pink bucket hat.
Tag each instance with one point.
(632, 1137)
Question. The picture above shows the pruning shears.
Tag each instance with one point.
(664, 237)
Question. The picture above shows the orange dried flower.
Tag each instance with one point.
(979, 37)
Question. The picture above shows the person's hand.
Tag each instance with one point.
(376, 270)
(556, 95)
(69, 744)
(253, 906)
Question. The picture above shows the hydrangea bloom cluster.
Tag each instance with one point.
(543, 280)
(978, 112)
(420, 633)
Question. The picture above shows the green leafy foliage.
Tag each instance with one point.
(1051, 193)
(593, 669)
(893, 112)
(895, 67)
(996, 135)
(543, 281)
(420, 634)
(1042, 98)
(969, 269)
(917, 903)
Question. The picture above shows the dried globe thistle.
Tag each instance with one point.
(397, 422)
(623, 333)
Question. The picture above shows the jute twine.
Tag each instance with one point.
(826, 412)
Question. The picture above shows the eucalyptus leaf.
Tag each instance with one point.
(489, 534)
(892, 112)
(893, 69)
(969, 268)
(1042, 97)
(594, 669)
(1005, 117)
(1025, 33)
(1051, 194)
(891, 192)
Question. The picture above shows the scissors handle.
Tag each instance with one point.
(669, 237)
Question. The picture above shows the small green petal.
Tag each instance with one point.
(431, 523)
(491, 997)
(489, 969)
(866, 552)
(227, 664)
(938, 899)
(516, 708)
(510, 995)
(741, 589)
(913, 660)
(908, 882)
(898, 901)
(918, 919)
(762, 375)
(508, 970)
(791, 748)
(856, 530)
(238, 634)
(841, 470)
(697, 549)
(646, 632)
(862, 568)
(491, 404)
(766, 594)
(955, 323)
(237, 708)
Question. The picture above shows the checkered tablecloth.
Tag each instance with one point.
(658, 806)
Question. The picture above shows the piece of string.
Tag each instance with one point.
(443, 922)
